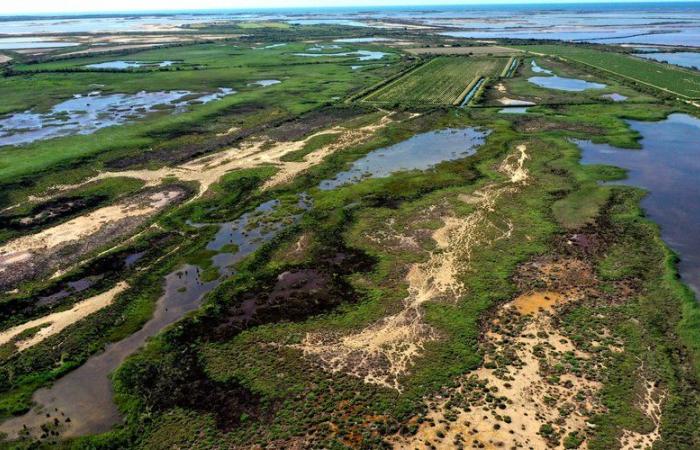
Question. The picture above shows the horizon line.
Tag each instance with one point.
(204, 11)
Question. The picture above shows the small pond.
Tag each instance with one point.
(15, 43)
(362, 55)
(264, 83)
(667, 166)
(514, 110)
(420, 152)
(615, 97)
(121, 65)
(561, 83)
(360, 40)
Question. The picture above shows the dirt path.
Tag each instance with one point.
(385, 350)
(52, 324)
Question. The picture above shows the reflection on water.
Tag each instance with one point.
(615, 97)
(668, 167)
(514, 110)
(129, 64)
(32, 42)
(362, 55)
(684, 59)
(85, 395)
(420, 152)
(264, 83)
(552, 81)
(85, 114)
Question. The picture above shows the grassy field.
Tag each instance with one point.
(305, 83)
(438, 82)
(671, 79)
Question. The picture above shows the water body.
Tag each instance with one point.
(21, 43)
(514, 110)
(552, 81)
(129, 64)
(615, 97)
(668, 167)
(85, 114)
(683, 59)
(420, 152)
(85, 395)
(362, 55)
(472, 92)
(265, 83)
(363, 39)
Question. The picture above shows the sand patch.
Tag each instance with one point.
(55, 323)
(651, 403)
(513, 102)
(533, 303)
(57, 247)
(386, 349)
(5, 59)
(209, 169)
(514, 400)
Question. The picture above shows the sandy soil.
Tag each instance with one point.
(651, 403)
(513, 102)
(209, 169)
(385, 350)
(5, 58)
(55, 323)
(52, 248)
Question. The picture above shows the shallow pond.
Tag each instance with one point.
(514, 110)
(85, 395)
(684, 59)
(668, 167)
(552, 81)
(420, 152)
(363, 39)
(85, 114)
(362, 55)
(565, 84)
(32, 42)
(265, 83)
(615, 97)
(120, 65)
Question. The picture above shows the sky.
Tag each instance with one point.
(9, 7)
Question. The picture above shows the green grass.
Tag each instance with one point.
(672, 79)
(438, 82)
(306, 84)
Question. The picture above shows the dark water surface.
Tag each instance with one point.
(85, 394)
(668, 166)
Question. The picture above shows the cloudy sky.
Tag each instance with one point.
(8, 7)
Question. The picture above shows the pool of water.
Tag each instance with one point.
(615, 97)
(551, 81)
(85, 114)
(683, 59)
(120, 65)
(514, 110)
(32, 42)
(265, 83)
(362, 55)
(363, 39)
(668, 167)
(85, 395)
(420, 152)
(565, 84)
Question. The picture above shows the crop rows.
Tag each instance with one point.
(675, 80)
(438, 82)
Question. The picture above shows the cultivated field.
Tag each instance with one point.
(440, 81)
(675, 80)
